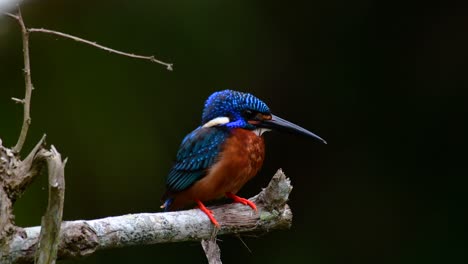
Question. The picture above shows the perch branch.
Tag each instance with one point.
(94, 44)
(52, 219)
(84, 237)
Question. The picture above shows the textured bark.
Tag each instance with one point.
(81, 238)
(15, 177)
(212, 251)
(6, 207)
(22, 173)
(6, 217)
(52, 219)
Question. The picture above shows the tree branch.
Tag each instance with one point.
(27, 69)
(11, 15)
(212, 251)
(94, 44)
(52, 219)
(20, 174)
(19, 19)
(27, 80)
(6, 207)
(6, 217)
(15, 176)
(81, 238)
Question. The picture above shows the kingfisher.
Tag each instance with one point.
(216, 159)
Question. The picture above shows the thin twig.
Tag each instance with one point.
(17, 100)
(94, 44)
(28, 83)
(11, 15)
(245, 244)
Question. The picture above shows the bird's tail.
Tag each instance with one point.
(167, 204)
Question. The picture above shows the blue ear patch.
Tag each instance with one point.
(198, 152)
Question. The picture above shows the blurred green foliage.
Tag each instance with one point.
(381, 82)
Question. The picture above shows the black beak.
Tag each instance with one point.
(279, 124)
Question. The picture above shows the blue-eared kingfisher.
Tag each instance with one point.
(227, 150)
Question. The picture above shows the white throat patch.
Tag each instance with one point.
(260, 131)
(217, 121)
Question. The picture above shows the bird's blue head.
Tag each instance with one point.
(234, 109)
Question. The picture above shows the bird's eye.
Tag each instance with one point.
(248, 114)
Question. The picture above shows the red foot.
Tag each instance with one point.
(241, 200)
(208, 213)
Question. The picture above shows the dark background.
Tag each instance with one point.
(384, 82)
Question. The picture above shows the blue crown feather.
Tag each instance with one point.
(231, 103)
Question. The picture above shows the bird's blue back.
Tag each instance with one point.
(197, 153)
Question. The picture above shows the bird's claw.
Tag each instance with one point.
(241, 200)
(208, 213)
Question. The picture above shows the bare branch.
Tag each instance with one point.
(24, 172)
(15, 176)
(8, 162)
(52, 220)
(11, 15)
(81, 238)
(17, 100)
(27, 68)
(28, 83)
(212, 251)
(94, 44)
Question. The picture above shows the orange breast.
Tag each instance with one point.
(241, 158)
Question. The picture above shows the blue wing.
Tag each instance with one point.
(197, 153)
